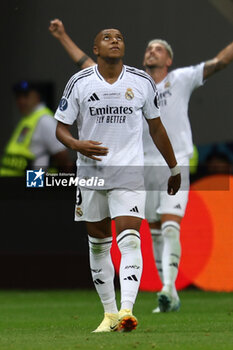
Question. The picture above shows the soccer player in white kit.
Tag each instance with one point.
(109, 102)
(163, 212)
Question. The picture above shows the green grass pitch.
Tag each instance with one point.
(63, 320)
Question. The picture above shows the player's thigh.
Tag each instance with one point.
(127, 208)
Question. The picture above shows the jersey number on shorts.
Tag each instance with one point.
(79, 197)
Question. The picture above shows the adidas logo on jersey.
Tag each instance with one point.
(178, 206)
(93, 97)
(131, 278)
(135, 209)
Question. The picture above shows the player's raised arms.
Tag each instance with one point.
(57, 29)
(222, 59)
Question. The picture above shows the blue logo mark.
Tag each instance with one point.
(63, 104)
(35, 178)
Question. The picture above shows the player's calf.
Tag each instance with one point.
(171, 254)
(130, 266)
(103, 272)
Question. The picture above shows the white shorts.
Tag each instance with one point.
(95, 205)
(159, 201)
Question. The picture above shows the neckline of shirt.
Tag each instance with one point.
(162, 81)
(102, 78)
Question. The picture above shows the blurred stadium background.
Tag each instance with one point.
(40, 245)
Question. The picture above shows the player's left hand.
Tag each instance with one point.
(173, 184)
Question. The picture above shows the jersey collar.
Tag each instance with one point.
(102, 79)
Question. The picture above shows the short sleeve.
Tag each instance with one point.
(151, 106)
(68, 108)
(193, 75)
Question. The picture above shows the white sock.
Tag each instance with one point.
(174, 292)
(102, 271)
(157, 239)
(129, 244)
(171, 255)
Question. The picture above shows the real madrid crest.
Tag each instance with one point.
(129, 95)
(79, 211)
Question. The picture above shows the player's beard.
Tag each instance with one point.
(151, 67)
(154, 64)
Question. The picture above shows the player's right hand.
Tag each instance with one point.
(57, 28)
(174, 183)
(90, 149)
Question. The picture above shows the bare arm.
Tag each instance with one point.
(162, 142)
(219, 62)
(57, 29)
(88, 148)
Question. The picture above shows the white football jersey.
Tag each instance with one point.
(174, 94)
(110, 113)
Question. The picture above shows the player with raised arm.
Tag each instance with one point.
(164, 212)
(109, 101)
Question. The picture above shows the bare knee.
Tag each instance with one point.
(99, 229)
(155, 225)
(126, 223)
